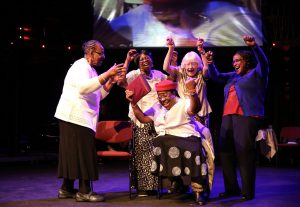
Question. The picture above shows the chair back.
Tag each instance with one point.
(289, 133)
(114, 131)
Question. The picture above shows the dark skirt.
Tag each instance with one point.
(77, 152)
(177, 156)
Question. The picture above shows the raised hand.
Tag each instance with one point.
(170, 42)
(117, 69)
(191, 83)
(209, 57)
(131, 54)
(200, 45)
(250, 41)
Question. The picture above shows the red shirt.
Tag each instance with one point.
(232, 105)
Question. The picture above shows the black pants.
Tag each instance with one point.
(237, 146)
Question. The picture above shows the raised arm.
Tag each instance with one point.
(263, 65)
(131, 54)
(167, 62)
(138, 113)
(200, 48)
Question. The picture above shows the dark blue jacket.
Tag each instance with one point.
(250, 88)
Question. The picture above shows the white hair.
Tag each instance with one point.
(191, 57)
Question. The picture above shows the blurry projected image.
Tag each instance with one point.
(147, 23)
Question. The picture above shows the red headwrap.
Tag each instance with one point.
(165, 85)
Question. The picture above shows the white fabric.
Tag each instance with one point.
(80, 99)
(269, 136)
(175, 121)
(151, 98)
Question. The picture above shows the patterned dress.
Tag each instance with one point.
(143, 137)
(144, 133)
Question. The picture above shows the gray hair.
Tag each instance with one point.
(90, 46)
(191, 56)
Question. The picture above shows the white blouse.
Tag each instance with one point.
(81, 95)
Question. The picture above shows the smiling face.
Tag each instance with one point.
(145, 63)
(239, 64)
(166, 98)
(191, 68)
(191, 64)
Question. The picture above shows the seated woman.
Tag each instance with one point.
(177, 148)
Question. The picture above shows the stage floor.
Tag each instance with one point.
(36, 184)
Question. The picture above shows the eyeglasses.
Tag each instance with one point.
(193, 64)
(163, 96)
(99, 53)
(144, 59)
(236, 60)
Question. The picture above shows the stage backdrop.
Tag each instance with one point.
(147, 23)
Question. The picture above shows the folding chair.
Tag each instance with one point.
(289, 140)
(118, 132)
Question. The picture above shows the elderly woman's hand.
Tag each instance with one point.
(170, 42)
(116, 69)
(191, 84)
(131, 54)
(209, 57)
(129, 95)
(200, 46)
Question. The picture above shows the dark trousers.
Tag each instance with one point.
(237, 147)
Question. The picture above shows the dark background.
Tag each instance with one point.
(33, 76)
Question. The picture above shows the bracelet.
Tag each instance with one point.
(202, 51)
(101, 78)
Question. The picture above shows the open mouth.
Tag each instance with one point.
(146, 63)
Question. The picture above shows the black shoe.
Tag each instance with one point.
(66, 194)
(229, 194)
(151, 192)
(178, 187)
(174, 187)
(247, 197)
(184, 189)
(89, 197)
(200, 199)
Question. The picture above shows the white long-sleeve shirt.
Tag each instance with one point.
(81, 95)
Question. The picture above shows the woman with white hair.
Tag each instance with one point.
(192, 67)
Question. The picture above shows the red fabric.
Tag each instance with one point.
(165, 85)
(290, 132)
(232, 105)
(140, 87)
(114, 131)
(113, 154)
(289, 145)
